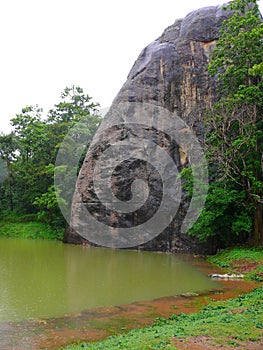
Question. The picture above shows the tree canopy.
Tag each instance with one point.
(29, 153)
(234, 141)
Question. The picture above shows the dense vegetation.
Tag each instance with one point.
(28, 226)
(28, 158)
(234, 140)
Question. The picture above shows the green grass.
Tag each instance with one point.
(27, 226)
(230, 322)
(231, 259)
(228, 256)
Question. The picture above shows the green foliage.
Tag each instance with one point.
(36, 230)
(29, 154)
(27, 226)
(187, 180)
(49, 211)
(8, 146)
(223, 216)
(3, 171)
(256, 70)
(233, 142)
(237, 51)
(226, 257)
(226, 322)
(246, 260)
(75, 105)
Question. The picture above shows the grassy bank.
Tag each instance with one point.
(248, 261)
(236, 323)
(27, 226)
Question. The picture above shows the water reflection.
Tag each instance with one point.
(41, 279)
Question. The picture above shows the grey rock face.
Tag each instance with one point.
(171, 73)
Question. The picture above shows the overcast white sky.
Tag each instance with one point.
(47, 45)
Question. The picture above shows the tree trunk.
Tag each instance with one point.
(258, 225)
(10, 176)
(11, 205)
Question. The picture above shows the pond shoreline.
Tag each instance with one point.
(222, 323)
(97, 324)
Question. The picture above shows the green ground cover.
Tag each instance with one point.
(243, 260)
(27, 226)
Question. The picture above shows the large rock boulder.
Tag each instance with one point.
(170, 73)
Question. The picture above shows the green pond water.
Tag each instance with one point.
(41, 279)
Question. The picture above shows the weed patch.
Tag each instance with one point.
(27, 226)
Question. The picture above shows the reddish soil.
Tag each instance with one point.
(245, 266)
(205, 343)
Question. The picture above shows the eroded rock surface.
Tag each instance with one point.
(172, 73)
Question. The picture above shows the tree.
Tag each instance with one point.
(74, 106)
(30, 152)
(235, 123)
(237, 52)
(31, 156)
(74, 120)
(8, 147)
(70, 118)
